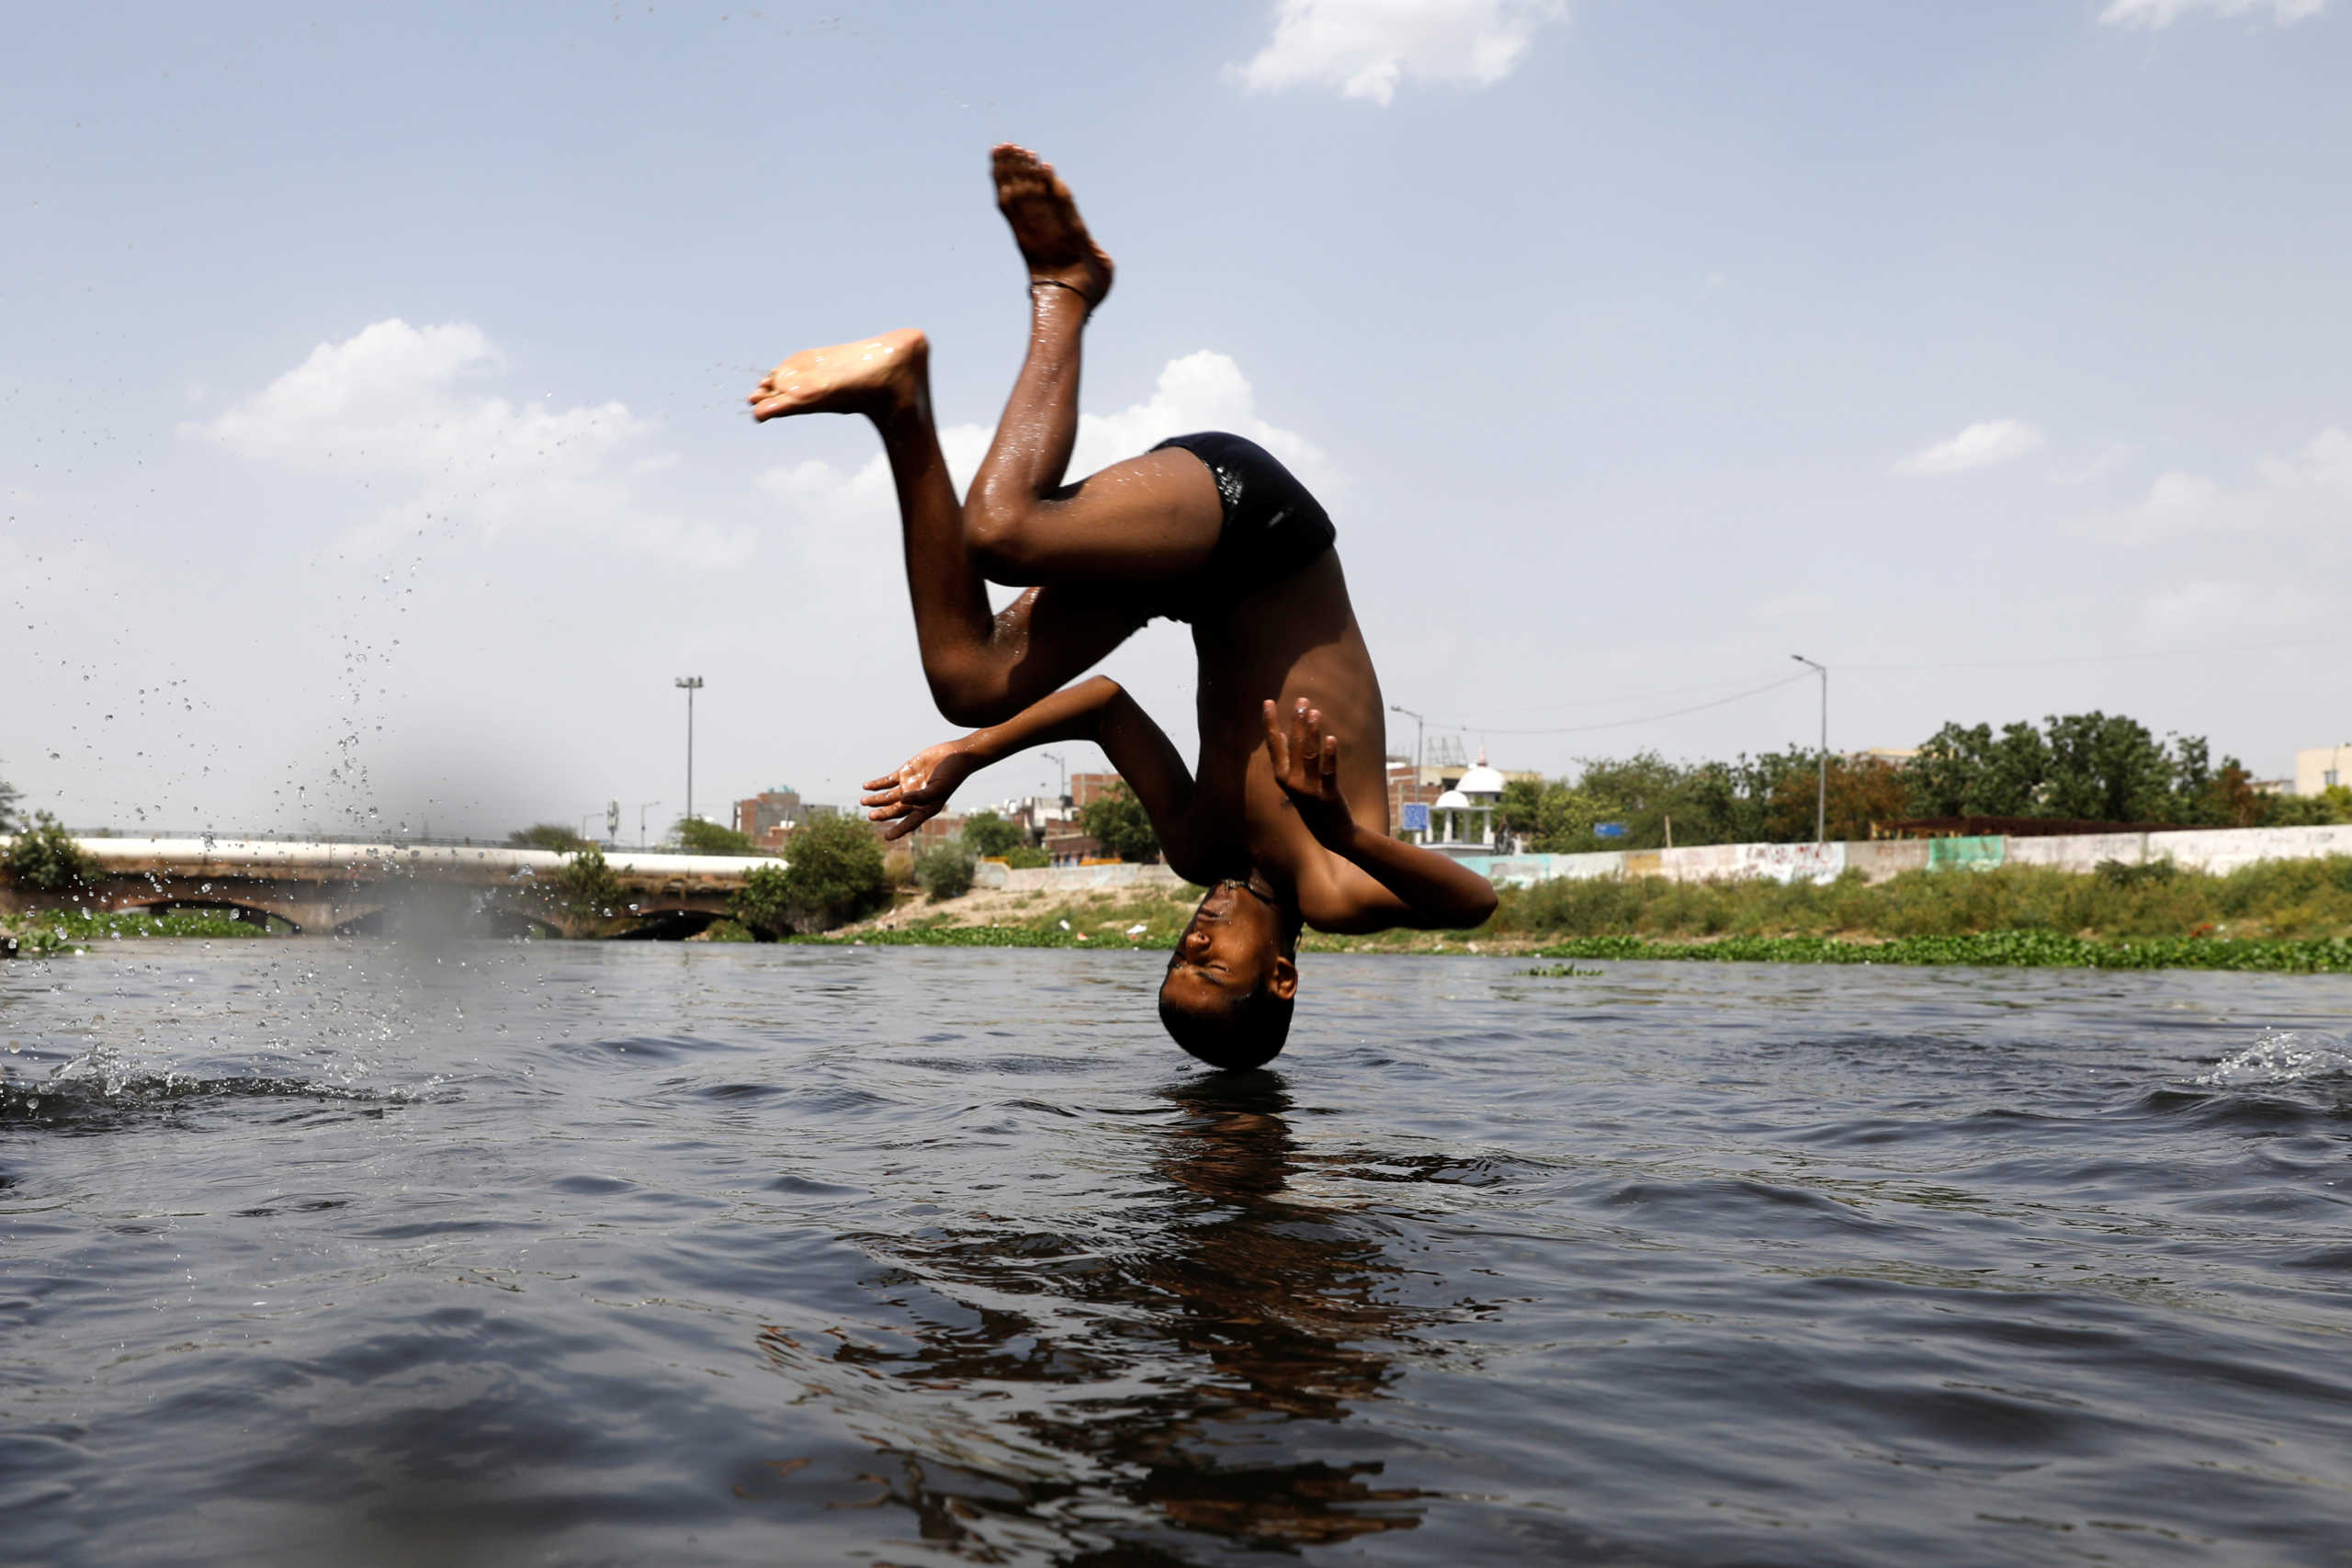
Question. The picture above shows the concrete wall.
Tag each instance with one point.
(2214, 850)
(1072, 878)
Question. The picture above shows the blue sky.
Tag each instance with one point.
(373, 439)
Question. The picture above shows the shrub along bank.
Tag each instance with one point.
(2287, 899)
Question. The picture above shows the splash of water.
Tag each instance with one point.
(2283, 1055)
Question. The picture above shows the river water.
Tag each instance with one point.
(635, 1253)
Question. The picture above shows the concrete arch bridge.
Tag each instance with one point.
(366, 889)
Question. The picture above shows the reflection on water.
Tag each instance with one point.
(592, 1253)
(1171, 1373)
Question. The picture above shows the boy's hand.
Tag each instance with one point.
(1307, 765)
(914, 792)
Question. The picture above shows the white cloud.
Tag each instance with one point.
(1980, 445)
(2308, 495)
(1366, 47)
(2164, 13)
(2098, 467)
(395, 405)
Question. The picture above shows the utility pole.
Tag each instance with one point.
(644, 806)
(1408, 713)
(690, 684)
(1821, 790)
(1063, 768)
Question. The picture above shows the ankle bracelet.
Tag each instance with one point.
(1057, 283)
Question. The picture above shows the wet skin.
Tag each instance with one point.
(1288, 788)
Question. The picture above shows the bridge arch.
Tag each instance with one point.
(259, 915)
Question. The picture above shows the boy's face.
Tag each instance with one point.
(1232, 948)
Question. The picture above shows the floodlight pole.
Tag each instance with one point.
(1821, 790)
(690, 684)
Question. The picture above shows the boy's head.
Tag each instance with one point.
(1233, 978)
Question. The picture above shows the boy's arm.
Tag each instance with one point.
(1099, 710)
(1383, 881)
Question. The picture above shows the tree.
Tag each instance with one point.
(2107, 770)
(1860, 793)
(45, 859)
(833, 875)
(1116, 820)
(546, 836)
(1968, 772)
(944, 870)
(2328, 808)
(696, 836)
(991, 835)
(8, 798)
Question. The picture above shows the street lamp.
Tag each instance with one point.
(1408, 713)
(1821, 789)
(644, 806)
(690, 684)
(1063, 768)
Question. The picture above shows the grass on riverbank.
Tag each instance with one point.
(2299, 900)
(2283, 916)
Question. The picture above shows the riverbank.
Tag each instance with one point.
(2292, 916)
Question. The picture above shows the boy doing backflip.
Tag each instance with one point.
(1283, 823)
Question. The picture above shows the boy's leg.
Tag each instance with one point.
(1150, 519)
(1145, 520)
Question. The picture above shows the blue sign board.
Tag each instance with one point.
(1416, 817)
(1608, 829)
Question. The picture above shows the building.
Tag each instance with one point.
(1073, 849)
(1428, 786)
(770, 812)
(1462, 818)
(1085, 787)
(2324, 768)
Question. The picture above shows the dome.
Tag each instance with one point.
(1452, 800)
(1481, 780)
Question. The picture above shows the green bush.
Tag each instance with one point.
(944, 871)
(45, 859)
(587, 887)
(2300, 899)
(546, 836)
(696, 836)
(1026, 857)
(833, 875)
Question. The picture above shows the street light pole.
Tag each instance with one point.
(690, 684)
(1821, 789)
(1408, 713)
(1063, 768)
(642, 808)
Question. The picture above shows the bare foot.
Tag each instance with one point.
(1045, 225)
(873, 376)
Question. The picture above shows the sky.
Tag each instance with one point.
(374, 458)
